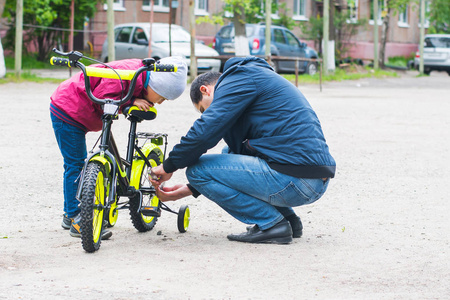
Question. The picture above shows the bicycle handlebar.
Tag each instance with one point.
(74, 56)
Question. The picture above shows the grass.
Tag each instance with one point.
(351, 73)
(26, 76)
(30, 62)
(400, 61)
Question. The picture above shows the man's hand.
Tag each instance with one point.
(173, 193)
(160, 174)
(142, 104)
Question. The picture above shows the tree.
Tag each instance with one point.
(242, 12)
(39, 15)
(2, 58)
(439, 16)
(394, 7)
(344, 31)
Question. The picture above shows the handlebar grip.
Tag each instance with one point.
(165, 68)
(58, 61)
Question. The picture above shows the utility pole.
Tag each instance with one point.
(326, 28)
(268, 29)
(422, 35)
(193, 67)
(151, 30)
(19, 38)
(110, 20)
(72, 18)
(170, 27)
(375, 35)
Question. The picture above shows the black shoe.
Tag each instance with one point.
(66, 222)
(296, 225)
(281, 233)
(75, 229)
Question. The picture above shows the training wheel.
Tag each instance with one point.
(111, 215)
(183, 218)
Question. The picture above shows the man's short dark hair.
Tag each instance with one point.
(208, 78)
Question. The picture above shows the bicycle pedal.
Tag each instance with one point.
(151, 211)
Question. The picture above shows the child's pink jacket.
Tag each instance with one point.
(71, 97)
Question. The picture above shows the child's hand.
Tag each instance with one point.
(142, 104)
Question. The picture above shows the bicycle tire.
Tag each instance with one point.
(140, 222)
(93, 198)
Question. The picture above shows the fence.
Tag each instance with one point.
(278, 58)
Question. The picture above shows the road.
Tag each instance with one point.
(380, 231)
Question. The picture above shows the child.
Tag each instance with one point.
(73, 114)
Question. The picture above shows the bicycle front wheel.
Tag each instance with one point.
(140, 222)
(93, 199)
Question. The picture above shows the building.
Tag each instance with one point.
(402, 38)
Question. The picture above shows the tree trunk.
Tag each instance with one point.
(384, 34)
(2, 58)
(240, 37)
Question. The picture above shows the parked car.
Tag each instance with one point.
(283, 43)
(131, 41)
(436, 54)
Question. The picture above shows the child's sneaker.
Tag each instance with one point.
(66, 222)
(75, 229)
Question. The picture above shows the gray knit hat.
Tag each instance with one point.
(169, 85)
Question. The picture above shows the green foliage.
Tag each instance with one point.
(284, 19)
(400, 61)
(352, 73)
(439, 16)
(28, 76)
(313, 30)
(46, 13)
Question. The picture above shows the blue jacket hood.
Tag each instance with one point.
(235, 61)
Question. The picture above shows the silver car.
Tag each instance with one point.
(436, 53)
(131, 41)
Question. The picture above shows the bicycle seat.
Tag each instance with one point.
(134, 111)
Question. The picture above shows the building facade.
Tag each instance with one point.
(402, 38)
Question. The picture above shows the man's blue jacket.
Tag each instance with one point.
(258, 112)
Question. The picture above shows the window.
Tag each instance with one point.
(380, 11)
(201, 7)
(292, 41)
(124, 35)
(352, 6)
(117, 5)
(299, 12)
(158, 5)
(139, 34)
(278, 36)
(403, 17)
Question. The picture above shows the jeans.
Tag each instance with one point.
(249, 190)
(72, 144)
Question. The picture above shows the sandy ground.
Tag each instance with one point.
(380, 232)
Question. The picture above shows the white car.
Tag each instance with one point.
(131, 41)
(436, 53)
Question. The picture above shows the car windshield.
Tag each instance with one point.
(437, 42)
(161, 35)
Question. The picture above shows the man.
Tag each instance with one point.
(277, 157)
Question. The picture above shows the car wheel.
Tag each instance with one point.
(311, 68)
(448, 72)
(427, 71)
(106, 59)
(274, 65)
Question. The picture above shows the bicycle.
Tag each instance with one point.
(106, 177)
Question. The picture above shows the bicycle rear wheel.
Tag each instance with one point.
(93, 199)
(140, 222)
